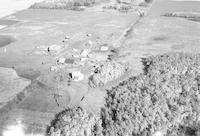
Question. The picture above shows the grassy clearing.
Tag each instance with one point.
(165, 98)
(66, 4)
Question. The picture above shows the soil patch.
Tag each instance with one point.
(28, 73)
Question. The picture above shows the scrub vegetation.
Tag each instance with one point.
(66, 4)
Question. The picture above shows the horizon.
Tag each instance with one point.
(8, 7)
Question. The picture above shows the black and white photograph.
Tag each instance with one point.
(99, 67)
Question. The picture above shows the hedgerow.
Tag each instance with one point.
(165, 98)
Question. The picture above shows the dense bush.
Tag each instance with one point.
(165, 98)
(107, 72)
(174, 63)
(75, 122)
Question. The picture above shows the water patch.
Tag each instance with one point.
(6, 40)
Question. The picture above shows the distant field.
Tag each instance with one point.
(66, 4)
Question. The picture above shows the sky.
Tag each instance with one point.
(10, 6)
